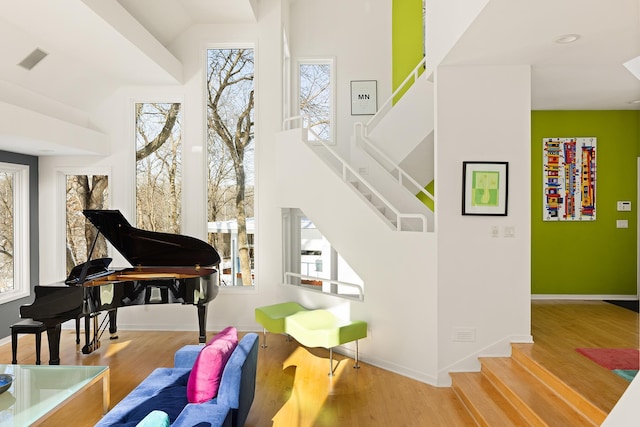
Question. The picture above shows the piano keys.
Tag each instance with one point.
(166, 269)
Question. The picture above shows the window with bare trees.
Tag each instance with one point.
(14, 231)
(316, 97)
(230, 161)
(84, 192)
(158, 166)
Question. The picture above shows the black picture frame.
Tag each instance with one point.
(485, 188)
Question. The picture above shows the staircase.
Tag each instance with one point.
(519, 391)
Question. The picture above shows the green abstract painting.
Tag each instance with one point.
(485, 186)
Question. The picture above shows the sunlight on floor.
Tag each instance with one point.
(116, 347)
(311, 371)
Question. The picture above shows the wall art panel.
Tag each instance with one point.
(569, 179)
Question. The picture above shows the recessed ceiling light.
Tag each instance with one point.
(567, 38)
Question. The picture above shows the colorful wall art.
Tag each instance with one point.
(569, 179)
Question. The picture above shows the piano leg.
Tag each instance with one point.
(202, 323)
(53, 336)
(113, 326)
(87, 333)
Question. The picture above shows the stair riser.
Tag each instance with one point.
(471, 408)
(514, 399)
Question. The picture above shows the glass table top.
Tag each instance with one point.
(38, 389)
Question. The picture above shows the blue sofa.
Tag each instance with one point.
(163, 394)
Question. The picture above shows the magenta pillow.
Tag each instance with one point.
(206, 373)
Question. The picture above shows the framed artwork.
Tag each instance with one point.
(485, 188)
(364, 97)
(569, 179)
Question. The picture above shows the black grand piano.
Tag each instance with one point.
(167, 268)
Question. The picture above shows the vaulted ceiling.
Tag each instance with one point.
(95, 46)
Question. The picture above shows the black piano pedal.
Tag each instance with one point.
(90, 348)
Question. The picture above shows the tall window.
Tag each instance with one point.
(84, 192)
(230, 161)
(158, 166)
(14, 231)
(316, 97)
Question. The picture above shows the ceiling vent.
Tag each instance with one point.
(33, 59)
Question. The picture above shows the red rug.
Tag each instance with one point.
(613, 358)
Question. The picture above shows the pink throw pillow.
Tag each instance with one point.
(206, 373)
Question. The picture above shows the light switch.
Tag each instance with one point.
(622, 223)
(624, 206)
(510, 232)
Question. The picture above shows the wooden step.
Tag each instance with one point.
(522, 353)
(536, 402)
(484, 402)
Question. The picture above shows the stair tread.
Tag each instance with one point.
(523, 355)
(603, 392)
(514, 380)
(485, 402)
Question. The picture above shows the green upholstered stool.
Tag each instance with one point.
(271, 317)
(321, 328)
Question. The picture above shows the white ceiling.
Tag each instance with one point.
(586, 74)
(96, 46)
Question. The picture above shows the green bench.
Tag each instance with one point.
(271, 317)
(311, 328)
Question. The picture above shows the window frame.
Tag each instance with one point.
(331, 61)
(21, 235)
(133, 135)
(205, 48)
(61, 190)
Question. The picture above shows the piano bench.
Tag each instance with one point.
(26, 326)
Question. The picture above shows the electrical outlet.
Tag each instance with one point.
(495, 231)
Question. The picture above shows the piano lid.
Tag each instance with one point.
(151, 248)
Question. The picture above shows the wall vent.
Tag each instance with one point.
(33, 59)
(464, 335)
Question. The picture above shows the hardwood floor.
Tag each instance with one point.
(294, 390)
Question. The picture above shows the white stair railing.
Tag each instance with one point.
(348, 171)
(296, 279)
(401, 177)
(386, 107)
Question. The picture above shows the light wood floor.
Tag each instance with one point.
(293, 389)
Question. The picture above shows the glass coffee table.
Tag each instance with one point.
(38, 390)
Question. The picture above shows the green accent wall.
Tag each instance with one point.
(431, 188)
(584, 257)
(406, 41)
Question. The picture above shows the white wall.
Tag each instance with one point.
(483, 114)
(406, 125)
(398, 268)
(447, 20)
(357, 33)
